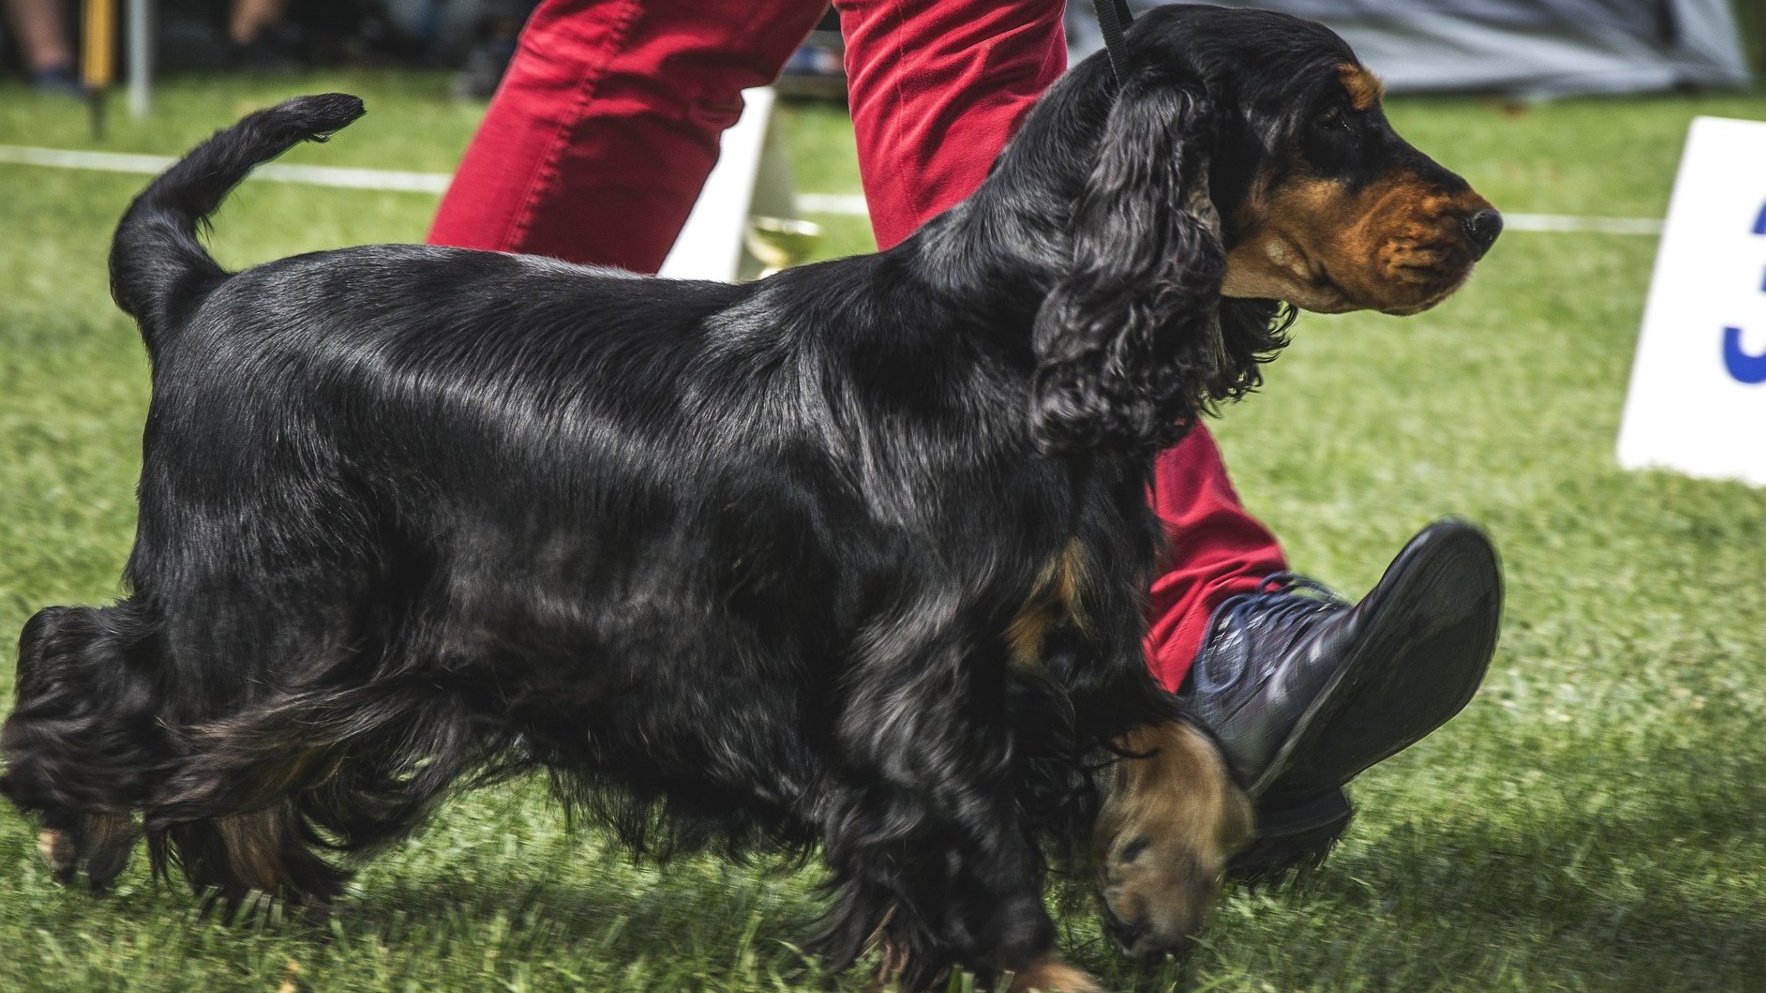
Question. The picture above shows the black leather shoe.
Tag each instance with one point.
(1305, 691)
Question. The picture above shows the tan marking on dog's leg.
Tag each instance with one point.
(1052, 975)
(1054, 601)
(1182, 784)
(109, 842)
(890, 961)
(1025, 635)
(1171, 820)
(254, 847)
(59, 852)
(1071, 578)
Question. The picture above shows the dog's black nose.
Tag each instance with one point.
(1481, 231)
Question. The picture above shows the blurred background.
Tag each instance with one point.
(1595, 819)
(1529, 48)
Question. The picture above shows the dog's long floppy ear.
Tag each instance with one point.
(1128, 345)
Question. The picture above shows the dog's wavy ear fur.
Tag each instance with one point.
(1129, 346)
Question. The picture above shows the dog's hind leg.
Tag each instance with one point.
(265, 851)
(83, 746)
(230, 815)
(101, 844)
(235, 825)
(341, 767)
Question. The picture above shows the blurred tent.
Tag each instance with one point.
(1528, 48)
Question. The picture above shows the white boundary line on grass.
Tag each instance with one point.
(357, 179)
(852, 204)
(1580, 224)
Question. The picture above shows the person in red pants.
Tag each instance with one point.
(594, 149)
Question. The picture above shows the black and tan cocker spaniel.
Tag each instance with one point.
(850, 558)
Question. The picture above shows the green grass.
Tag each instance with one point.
(1595, 820)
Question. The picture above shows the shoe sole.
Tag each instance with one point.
(1418, 664)
(1292, 839)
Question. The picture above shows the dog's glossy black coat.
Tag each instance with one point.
(733, 563)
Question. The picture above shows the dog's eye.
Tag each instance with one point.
(1333, 120)
(1133, 849)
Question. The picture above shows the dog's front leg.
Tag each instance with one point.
(919, 824)
(1171, 813)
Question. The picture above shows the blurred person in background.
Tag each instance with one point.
(46, 43)
(594, 149)
(498, 27)
(259, 38)
(476, 35)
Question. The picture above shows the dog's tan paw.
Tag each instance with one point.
(1051, 975)
(101, 843)
(59, 853)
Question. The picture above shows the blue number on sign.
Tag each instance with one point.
(1744, 367)
(1741, 365)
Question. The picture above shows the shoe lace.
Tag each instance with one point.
(1305, 587)
(1279, 600)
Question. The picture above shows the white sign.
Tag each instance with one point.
(1698, 388)
(752, 177)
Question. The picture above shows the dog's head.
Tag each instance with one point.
(1323, 205)
(1171, 818)
(1244, 156)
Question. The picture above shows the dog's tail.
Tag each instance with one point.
(158, 267)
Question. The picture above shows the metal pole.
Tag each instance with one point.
(140, 56)
(97, 59)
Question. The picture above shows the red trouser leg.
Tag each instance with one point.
(936, 89)
(1217, 550)
(607, 123)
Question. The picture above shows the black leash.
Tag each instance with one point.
(1114, 18)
